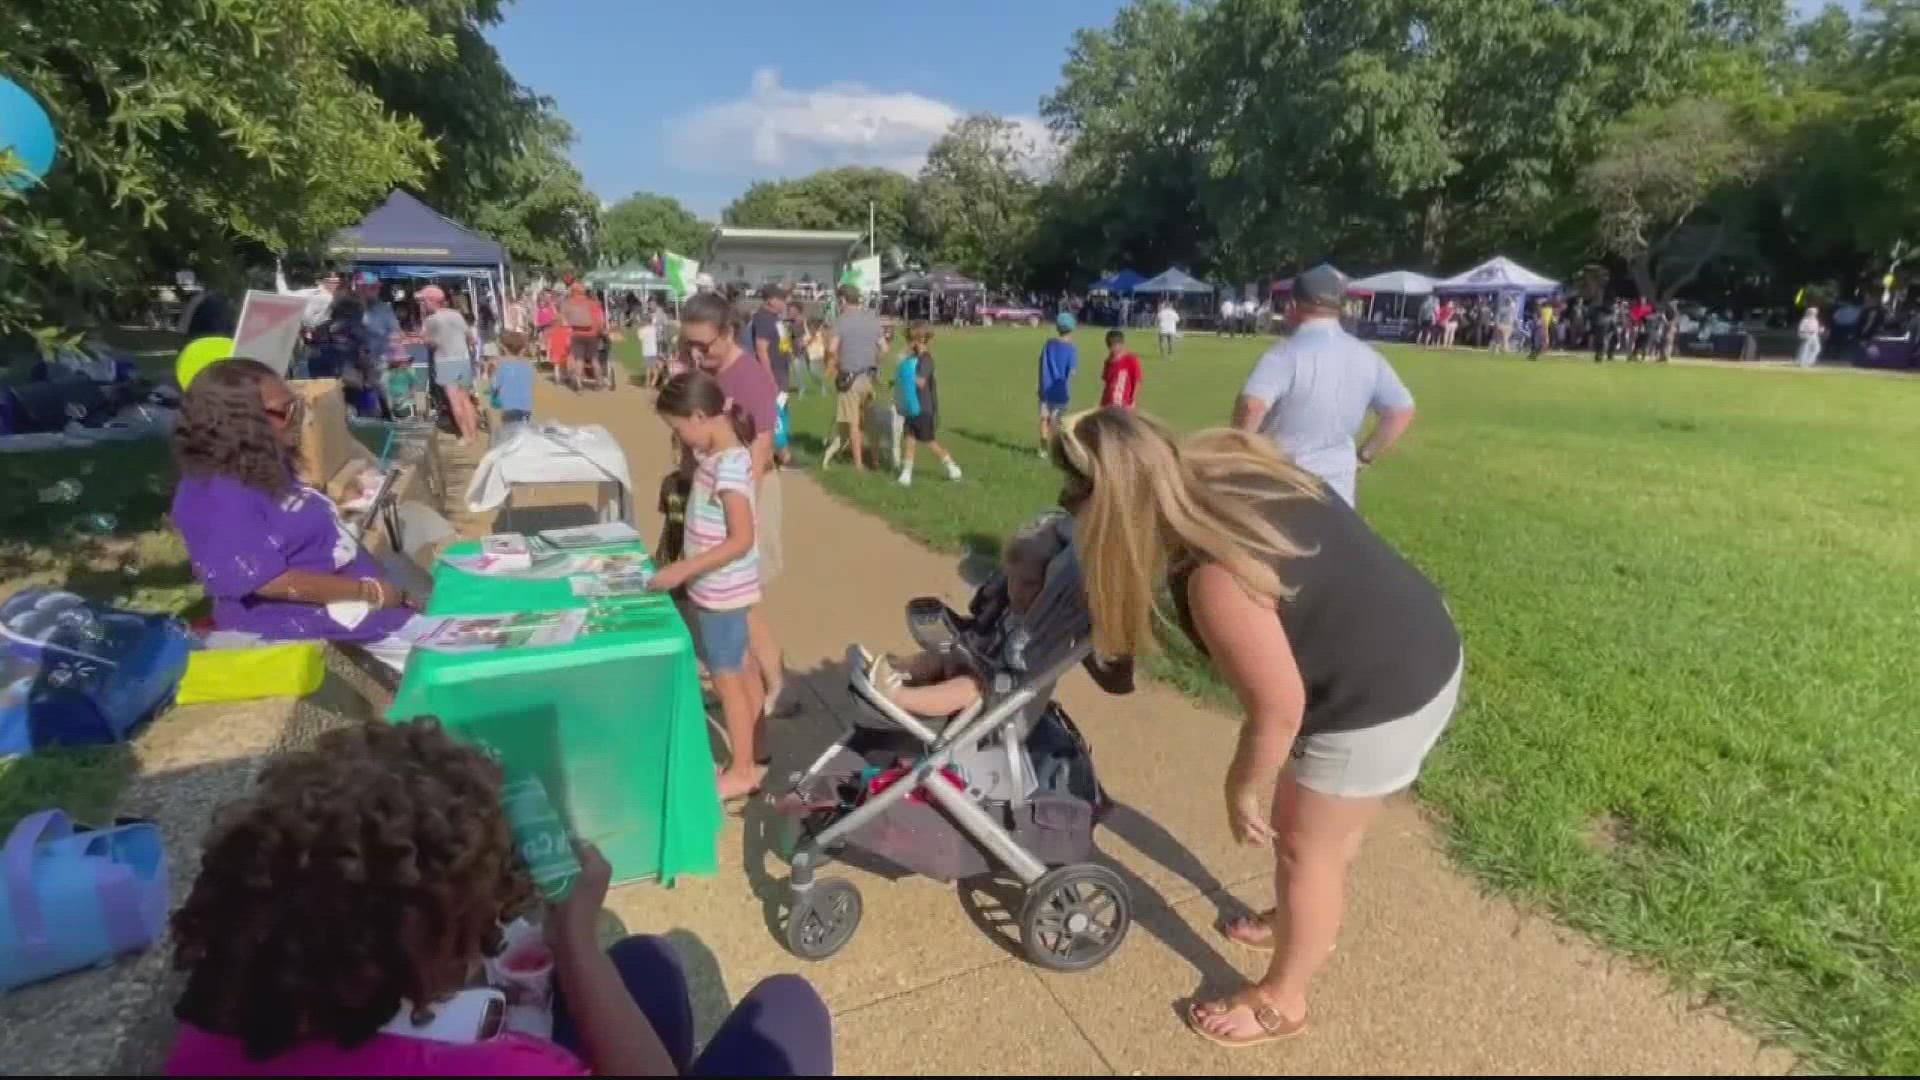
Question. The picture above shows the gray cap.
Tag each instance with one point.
(1322, 286)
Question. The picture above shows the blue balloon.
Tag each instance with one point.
(26, 130)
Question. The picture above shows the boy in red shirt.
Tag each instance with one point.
(1121, 374)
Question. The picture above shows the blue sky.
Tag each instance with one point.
(698, 100)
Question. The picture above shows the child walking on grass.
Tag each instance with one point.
(721, 569)
(916, 398)
(1058, 358)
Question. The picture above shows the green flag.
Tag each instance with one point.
(679, 272)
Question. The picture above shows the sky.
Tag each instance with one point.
(698, 101)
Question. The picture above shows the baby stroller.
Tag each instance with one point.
(1007, 782)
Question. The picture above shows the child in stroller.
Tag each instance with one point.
(1007, 780)
(932, 683)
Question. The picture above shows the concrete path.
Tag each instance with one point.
(1431, 977)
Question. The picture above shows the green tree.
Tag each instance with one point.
(974, 200)
(540, 207)
(1670, 192)
(829, 199)
(195, 131)
(643, 225)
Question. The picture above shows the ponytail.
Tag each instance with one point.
(744, 428)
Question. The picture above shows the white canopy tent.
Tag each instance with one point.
(1403, 282)
(1498, 275)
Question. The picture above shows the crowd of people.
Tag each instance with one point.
(1344, 658)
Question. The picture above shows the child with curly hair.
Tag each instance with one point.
(357, 887)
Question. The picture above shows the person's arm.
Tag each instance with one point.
(762, 351)
(615, 1036)
(1271, 378)
(739, 541)
(1393, 404)
(314, 587)
(762, 451)
(833, 352)
(1250, 650)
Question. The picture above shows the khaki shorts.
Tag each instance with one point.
(766, 527)
(851, 406)
(1377, 760)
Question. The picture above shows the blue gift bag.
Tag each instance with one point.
(79, 675)
(72, 900)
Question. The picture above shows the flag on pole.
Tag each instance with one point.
(679, 272)
(863, 274)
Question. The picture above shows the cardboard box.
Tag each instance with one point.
(326, 444)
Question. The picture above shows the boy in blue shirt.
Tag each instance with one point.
(1058, 358)
(513, 380)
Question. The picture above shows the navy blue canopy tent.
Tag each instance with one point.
(404, 238)
(403, 231)
(1120, 284)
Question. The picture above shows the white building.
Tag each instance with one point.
(779, 256)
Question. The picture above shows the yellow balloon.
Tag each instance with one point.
(199, 353)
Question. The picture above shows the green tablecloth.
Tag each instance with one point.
(612, 723)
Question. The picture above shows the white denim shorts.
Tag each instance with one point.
(1378, 760)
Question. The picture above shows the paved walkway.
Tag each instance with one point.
(1431, 977)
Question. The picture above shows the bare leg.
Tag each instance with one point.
(463, 416)
(740, 711)
(763, 651)
(1310, 879)
(859, 445)
(938, 699)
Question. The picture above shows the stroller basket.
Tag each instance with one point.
(1009, 782)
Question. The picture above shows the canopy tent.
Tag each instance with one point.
(404, 230)
(404, 237)
(910, 282)
(945, 279)
(1497, 275)
(1400, 282)
(1174, 281)
(635, 277)
(1120, 284)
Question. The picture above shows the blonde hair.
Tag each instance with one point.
(1147, 499)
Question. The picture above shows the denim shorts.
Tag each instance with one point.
(722, 639)
(454, 373)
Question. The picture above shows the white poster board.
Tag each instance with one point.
(269, 328)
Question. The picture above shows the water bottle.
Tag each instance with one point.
(65, 491)
(540, 836)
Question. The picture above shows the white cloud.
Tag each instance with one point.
(776, 130)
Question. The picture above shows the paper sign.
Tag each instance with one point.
(269, 328)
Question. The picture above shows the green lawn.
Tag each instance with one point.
(1691, 602)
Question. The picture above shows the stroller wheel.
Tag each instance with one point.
(823, 919)
(1075, 917)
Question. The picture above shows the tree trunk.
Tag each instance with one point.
(1640, 266)
(1433, 231)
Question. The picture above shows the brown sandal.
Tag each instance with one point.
(1273, 1026)
(1230, 928)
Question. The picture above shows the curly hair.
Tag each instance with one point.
(223, 428)
(365, 874)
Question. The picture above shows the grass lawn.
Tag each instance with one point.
(1691, 603)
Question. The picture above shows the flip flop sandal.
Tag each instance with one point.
(1248, 921)
(1273, 1027)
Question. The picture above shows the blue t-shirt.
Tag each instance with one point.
(1057, 361)
(906, 386)
(513, 386)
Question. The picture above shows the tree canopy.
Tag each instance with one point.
(642, 225)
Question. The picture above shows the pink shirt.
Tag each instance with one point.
(197, 1053)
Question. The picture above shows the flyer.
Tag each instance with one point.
(482, 633)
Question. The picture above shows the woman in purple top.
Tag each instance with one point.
(269, 548)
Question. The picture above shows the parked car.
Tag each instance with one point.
(1007, 311)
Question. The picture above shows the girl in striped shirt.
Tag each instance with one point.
(721, 569)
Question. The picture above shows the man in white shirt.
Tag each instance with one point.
(1311, 394)
(1169, 328)
(1228, 313)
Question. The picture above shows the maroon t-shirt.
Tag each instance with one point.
(750, 386)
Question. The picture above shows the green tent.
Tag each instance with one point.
(635, 277)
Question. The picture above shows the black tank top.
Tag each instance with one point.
(1370, 633)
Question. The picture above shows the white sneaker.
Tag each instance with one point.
(953, 471)
(906, 477)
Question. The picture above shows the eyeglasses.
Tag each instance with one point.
(282, 413)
